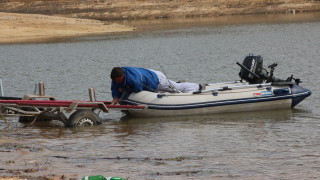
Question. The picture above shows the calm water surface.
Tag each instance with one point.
(252, 145)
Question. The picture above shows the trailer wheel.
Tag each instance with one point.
(29, 119)
(82, 118)
(26, 119)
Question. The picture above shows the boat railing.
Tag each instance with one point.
(224, 88)
(230, 82)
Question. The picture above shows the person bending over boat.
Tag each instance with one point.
(136, 79)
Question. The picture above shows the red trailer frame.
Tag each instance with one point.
(31, 109)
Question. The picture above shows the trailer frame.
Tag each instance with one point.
(32, 108)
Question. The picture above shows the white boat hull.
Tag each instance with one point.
(240, 98)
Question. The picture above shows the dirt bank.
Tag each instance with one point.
(146, 9)
(60, 14)
(24, 27)
(35, 28)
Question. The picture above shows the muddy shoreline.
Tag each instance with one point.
(19, 28)
(141, 9)
(29, 21)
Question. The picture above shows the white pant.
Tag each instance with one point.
(166, 84)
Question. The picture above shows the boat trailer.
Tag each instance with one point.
(41, 107)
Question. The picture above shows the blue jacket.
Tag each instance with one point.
(136, 80)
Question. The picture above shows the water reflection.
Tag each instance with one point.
(128, 125)
(165, 24)
(134, 125)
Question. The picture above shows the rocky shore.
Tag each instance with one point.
(39, 20)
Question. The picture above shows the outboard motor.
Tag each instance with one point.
(253, 72)
(252, 69)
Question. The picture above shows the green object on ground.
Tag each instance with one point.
(100, 177)
(115, 178)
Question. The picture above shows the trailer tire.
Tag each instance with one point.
(29, 119)
(82, 118)
(26, 119)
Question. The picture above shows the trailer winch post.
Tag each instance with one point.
(92, 94)
(1, 88)
(41, 89)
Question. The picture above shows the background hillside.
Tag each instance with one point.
(150, 9)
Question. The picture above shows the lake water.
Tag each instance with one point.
(253, 145)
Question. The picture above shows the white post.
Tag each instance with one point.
(41, 89)
(92, 94)
(1, 88)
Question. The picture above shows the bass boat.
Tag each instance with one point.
(256, 90)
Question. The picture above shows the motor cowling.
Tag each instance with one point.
(255, 65)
